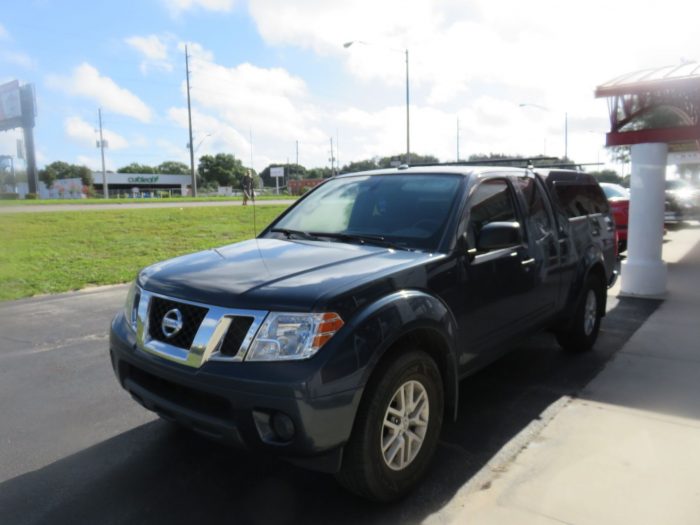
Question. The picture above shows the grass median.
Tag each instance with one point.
(62, 251)
(129, 200)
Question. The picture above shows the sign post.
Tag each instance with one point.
(277, 173)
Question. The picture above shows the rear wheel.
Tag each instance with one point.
(396, 430)
(583, 329)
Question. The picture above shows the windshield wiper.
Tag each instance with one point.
(362, 238)
(291, 233)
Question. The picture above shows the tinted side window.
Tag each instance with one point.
(539, 220)
(580, 199)
(491, 202)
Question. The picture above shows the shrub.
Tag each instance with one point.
(31, 196)
(9, 196)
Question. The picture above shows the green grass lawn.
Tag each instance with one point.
(56, 252)
(25, 202)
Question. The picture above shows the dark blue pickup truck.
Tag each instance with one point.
(338, 337)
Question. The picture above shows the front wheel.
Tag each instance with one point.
(583, 329)
(396, 430)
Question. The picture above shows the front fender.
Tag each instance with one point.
(376, 329)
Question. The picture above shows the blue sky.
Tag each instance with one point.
(277, 68)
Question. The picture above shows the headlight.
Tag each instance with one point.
(131, 306)
(289, 336)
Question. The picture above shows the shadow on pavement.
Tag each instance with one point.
(155, 473)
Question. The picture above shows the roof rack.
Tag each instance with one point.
(518, 162)
(571, 165)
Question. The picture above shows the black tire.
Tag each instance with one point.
(365, 470)
(580, 336)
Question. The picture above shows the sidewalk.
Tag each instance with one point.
(627, 450)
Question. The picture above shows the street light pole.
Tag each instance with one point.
(105, 187)
(566, 124)
(408, 102)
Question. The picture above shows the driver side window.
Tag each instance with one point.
(491, 202)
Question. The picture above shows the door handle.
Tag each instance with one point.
(528, 262)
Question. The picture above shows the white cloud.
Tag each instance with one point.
(196, 51)
(271, 102)
(4, 35)
(480, 59)
(86, 81)
(76, 128)
(95, 163)
(154, 50)
(177, 7)
(17, 58)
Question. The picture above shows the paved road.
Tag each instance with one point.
(39, 208)
(74, 448)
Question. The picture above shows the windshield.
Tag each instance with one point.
(408, 211)
(613, 191)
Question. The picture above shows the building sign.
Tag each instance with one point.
(143, 180)
(10, 105)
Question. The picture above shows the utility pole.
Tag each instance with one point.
(105, 188)
(408, 121)
(189, 118)
(297, 152)
(250, 132)
(566, 136)
(457, 139)
(332, 159)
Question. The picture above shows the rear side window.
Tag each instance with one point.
(537, 215)
(578, 200)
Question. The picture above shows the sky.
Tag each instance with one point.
(267, 75)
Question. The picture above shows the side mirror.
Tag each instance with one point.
(498, 235)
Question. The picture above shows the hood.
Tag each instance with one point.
(272, 274)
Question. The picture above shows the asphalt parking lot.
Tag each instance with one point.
(74, 448)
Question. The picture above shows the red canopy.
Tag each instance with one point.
(675, 88)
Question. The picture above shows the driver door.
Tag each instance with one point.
(495, 281)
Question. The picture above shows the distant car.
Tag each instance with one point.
(682, 201)
(619, 199)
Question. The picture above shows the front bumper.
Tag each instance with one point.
(240, 403)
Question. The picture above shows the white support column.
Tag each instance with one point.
(644, 271)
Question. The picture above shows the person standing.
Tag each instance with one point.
(247, 187)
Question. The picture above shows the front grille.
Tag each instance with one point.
(192, 317)
(235, 335)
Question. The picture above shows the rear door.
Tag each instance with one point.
(544, 262)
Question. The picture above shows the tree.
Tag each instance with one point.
(63, 170)
(135, 167)
(360, 165)
(414, 159)
(491, 156)
(223, 169)
(318, 173)
(172, 167)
